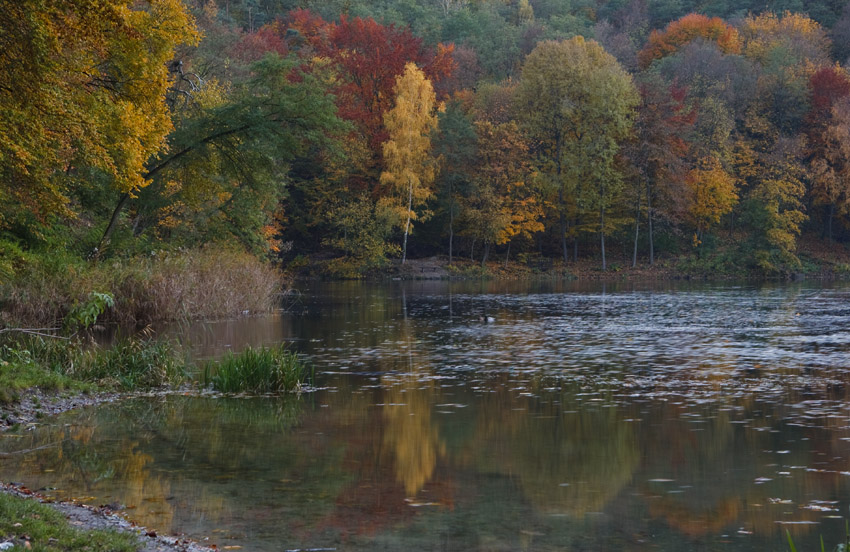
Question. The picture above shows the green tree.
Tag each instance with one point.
(577, 104)
(455, 145)
(410, 168)
(234, 154)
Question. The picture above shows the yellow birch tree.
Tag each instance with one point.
(409, 165)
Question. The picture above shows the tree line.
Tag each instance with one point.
(362, 132)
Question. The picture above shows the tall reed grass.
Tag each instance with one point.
(191, 284)
(260, 370)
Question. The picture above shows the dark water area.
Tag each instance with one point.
(493, 416)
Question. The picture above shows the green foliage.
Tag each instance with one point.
(723, 262)
(261, 370)
(578, 103)
(46, 529)
(362, 231)
(223, 176)
(84, 315)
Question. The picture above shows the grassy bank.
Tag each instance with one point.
(33, 526)
(66, 365)
(55, 365)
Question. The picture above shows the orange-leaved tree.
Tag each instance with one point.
(686, 29)
(711, 194)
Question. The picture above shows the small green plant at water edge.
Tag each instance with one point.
(260, 370)
(52, 365)
(842, 547)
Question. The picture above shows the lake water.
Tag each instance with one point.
(493, 416)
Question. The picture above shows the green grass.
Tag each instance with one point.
(841, 547)
(47, 530)
(260, 370)
(55, 365)
(20, 370)
(133, 364)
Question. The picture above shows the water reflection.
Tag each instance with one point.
(637, 419)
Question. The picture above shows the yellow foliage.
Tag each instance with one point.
(797, 35)
(409, 166)
(712, 193)
(86, 81)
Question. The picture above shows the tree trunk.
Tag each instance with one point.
(637, 230)
(472, 251)
(649, 225)
(407, 224)
(829, 221)
(575, 242)
(563, 221)
(602, 236)
(451, 230)
(508, 255)
(113, 220)
(486, 253)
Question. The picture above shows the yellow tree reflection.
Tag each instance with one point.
(410, 434)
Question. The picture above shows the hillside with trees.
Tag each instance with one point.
(353, 134)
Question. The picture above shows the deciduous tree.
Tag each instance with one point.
(685, 30)
(83, 85)
(577, 104)
(502, 202)
(410, 168)
(711, 193)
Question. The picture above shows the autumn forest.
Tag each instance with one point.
(353, 134)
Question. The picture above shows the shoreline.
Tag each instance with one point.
(101, 518)
(39, 404)
(584, 270)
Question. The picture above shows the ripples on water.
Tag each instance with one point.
(495, 418)
(630, 338)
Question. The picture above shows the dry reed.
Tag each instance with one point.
(206, 283)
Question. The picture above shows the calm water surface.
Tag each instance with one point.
(493, 417)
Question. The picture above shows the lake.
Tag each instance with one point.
(492, 416)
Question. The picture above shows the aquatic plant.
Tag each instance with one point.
(841, 547)
(256, 370)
